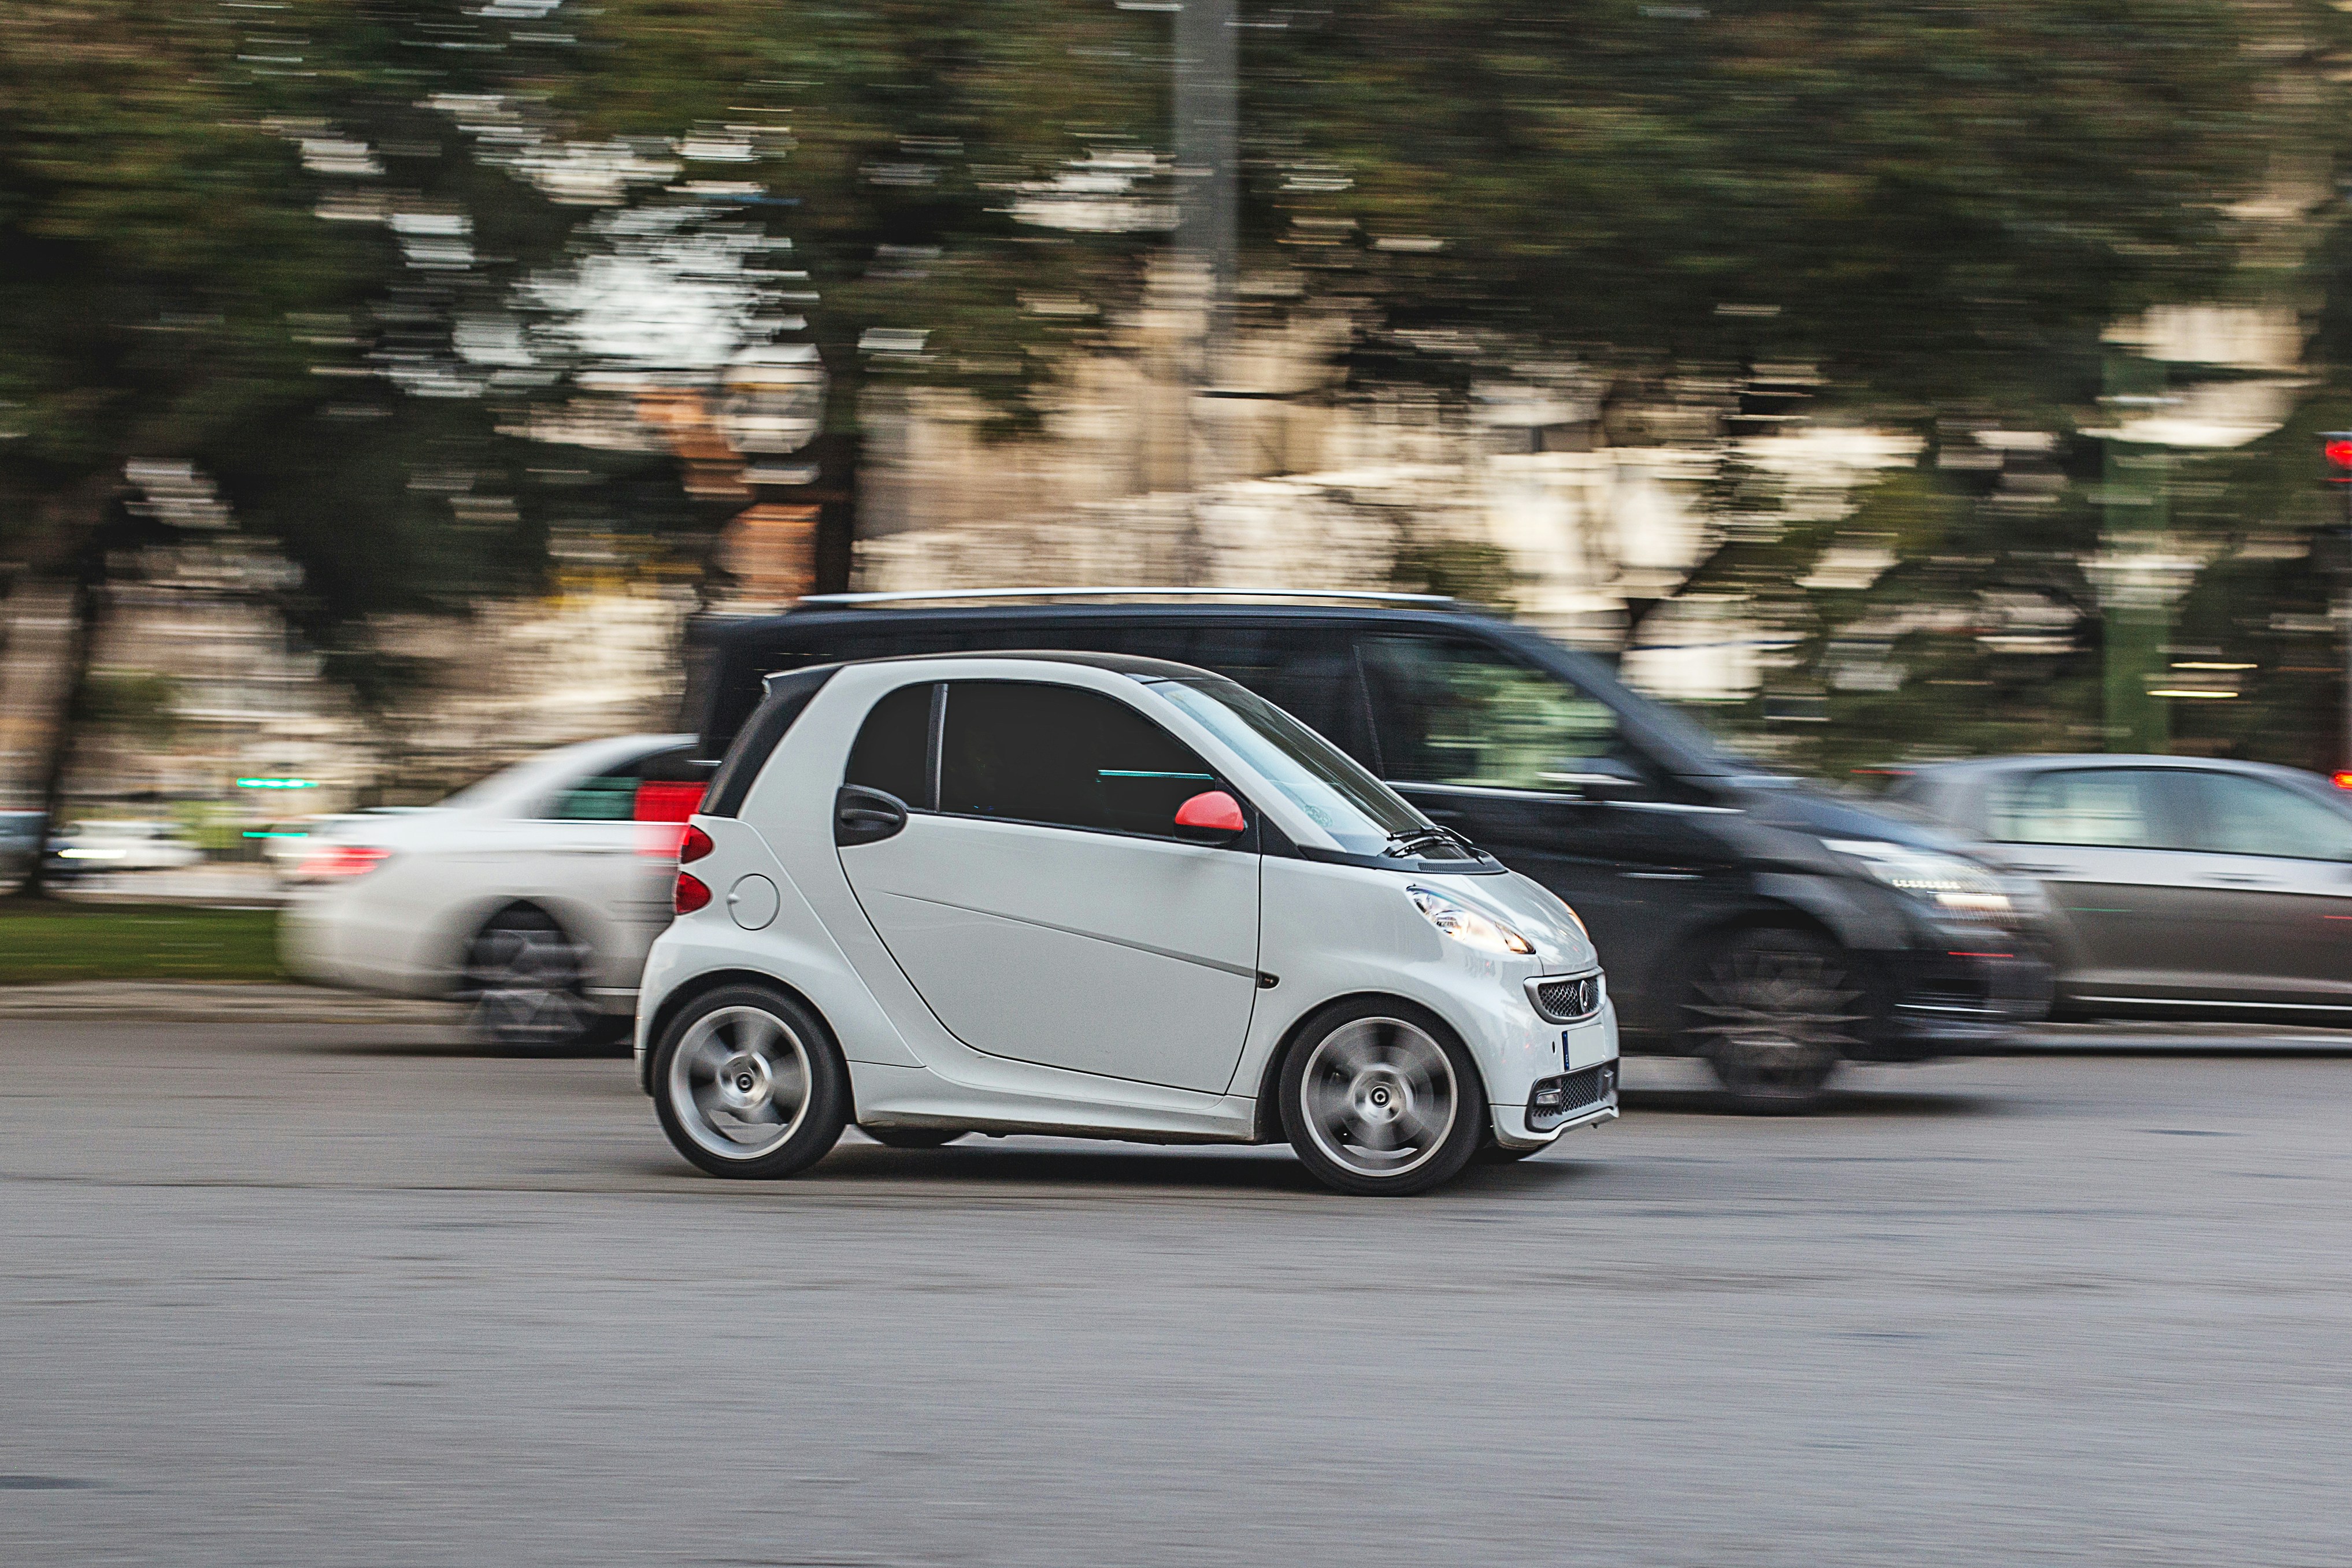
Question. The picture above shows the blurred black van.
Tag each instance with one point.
(1748, 919)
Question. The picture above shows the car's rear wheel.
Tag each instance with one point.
(913, 1138)
(1380, 1099)
(1774, 1014)
(527, 980)
(747, 1083)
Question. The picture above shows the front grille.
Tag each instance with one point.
(1555, 1100)
(1566, 1000)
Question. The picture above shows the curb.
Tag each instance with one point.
(211, 1001)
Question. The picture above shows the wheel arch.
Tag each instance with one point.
(1670, 983)
(1266, 1116)
(691, 989)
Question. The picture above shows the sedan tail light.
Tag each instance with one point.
(661, 811)
(340, 862)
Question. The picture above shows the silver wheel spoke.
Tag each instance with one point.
(1380, 1096)
(739, 1082)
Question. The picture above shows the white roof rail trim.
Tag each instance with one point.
(907, 596)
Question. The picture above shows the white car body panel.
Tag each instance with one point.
(403, 927)
(1076, 967)
(1139, 957)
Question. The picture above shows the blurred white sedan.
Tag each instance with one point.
(532, 896)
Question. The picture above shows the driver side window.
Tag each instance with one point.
(1064, 756)
(1453, 711)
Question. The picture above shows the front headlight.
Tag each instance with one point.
(1467, 925)
(1943, 882)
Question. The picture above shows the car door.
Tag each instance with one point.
(2272, 875)
(1036, 898)
(1507, 754)
(2126, 913)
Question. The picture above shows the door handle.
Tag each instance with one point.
(2044, 870)
(2239, 878)
(863, 816)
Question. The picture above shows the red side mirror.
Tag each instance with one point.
(1212, 811)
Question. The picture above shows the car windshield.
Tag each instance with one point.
(1357, 812)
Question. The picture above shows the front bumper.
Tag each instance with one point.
(1560, 1105)
(1944, 1002)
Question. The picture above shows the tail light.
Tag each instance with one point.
(2344, 781)
(693, 846)
(661, 811)
(340, 862)
(691, 895)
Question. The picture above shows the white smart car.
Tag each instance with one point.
(1110, 897)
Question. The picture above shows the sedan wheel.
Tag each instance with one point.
(1380, 1099)
(749, 1084)
(528, 981)
(1773, 1014)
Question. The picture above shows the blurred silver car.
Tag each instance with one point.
(532, 896)
(2178, 886)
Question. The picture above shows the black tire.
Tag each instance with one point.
(913, 1138)
(749, 1051)
(1380, 1099)
(526, 981)
(1774, 1014)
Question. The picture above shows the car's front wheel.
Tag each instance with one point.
(1380, 1099)
(1774, 1014)
(747, 1083)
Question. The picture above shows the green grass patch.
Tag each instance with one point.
(42, 942)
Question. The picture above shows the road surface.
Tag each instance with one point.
(336, 1294)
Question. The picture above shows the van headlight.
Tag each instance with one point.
(1946, 883)
(1467, 925)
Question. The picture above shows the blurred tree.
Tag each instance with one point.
(1934, 205)
(172, 296)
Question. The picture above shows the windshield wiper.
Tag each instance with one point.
(1405, 841)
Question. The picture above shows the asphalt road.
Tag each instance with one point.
(275, 1294)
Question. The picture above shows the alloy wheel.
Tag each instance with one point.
(526, 980)
(1773, 1018)
(739, 1082)
(1379, 1097)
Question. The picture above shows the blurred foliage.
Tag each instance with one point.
(1934, 211)
(1934, 204)
(133, 701)
(1472, 572)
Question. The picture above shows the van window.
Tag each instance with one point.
(1028, 752)
(1455, 711)
(1309, 676)
(892, 749)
